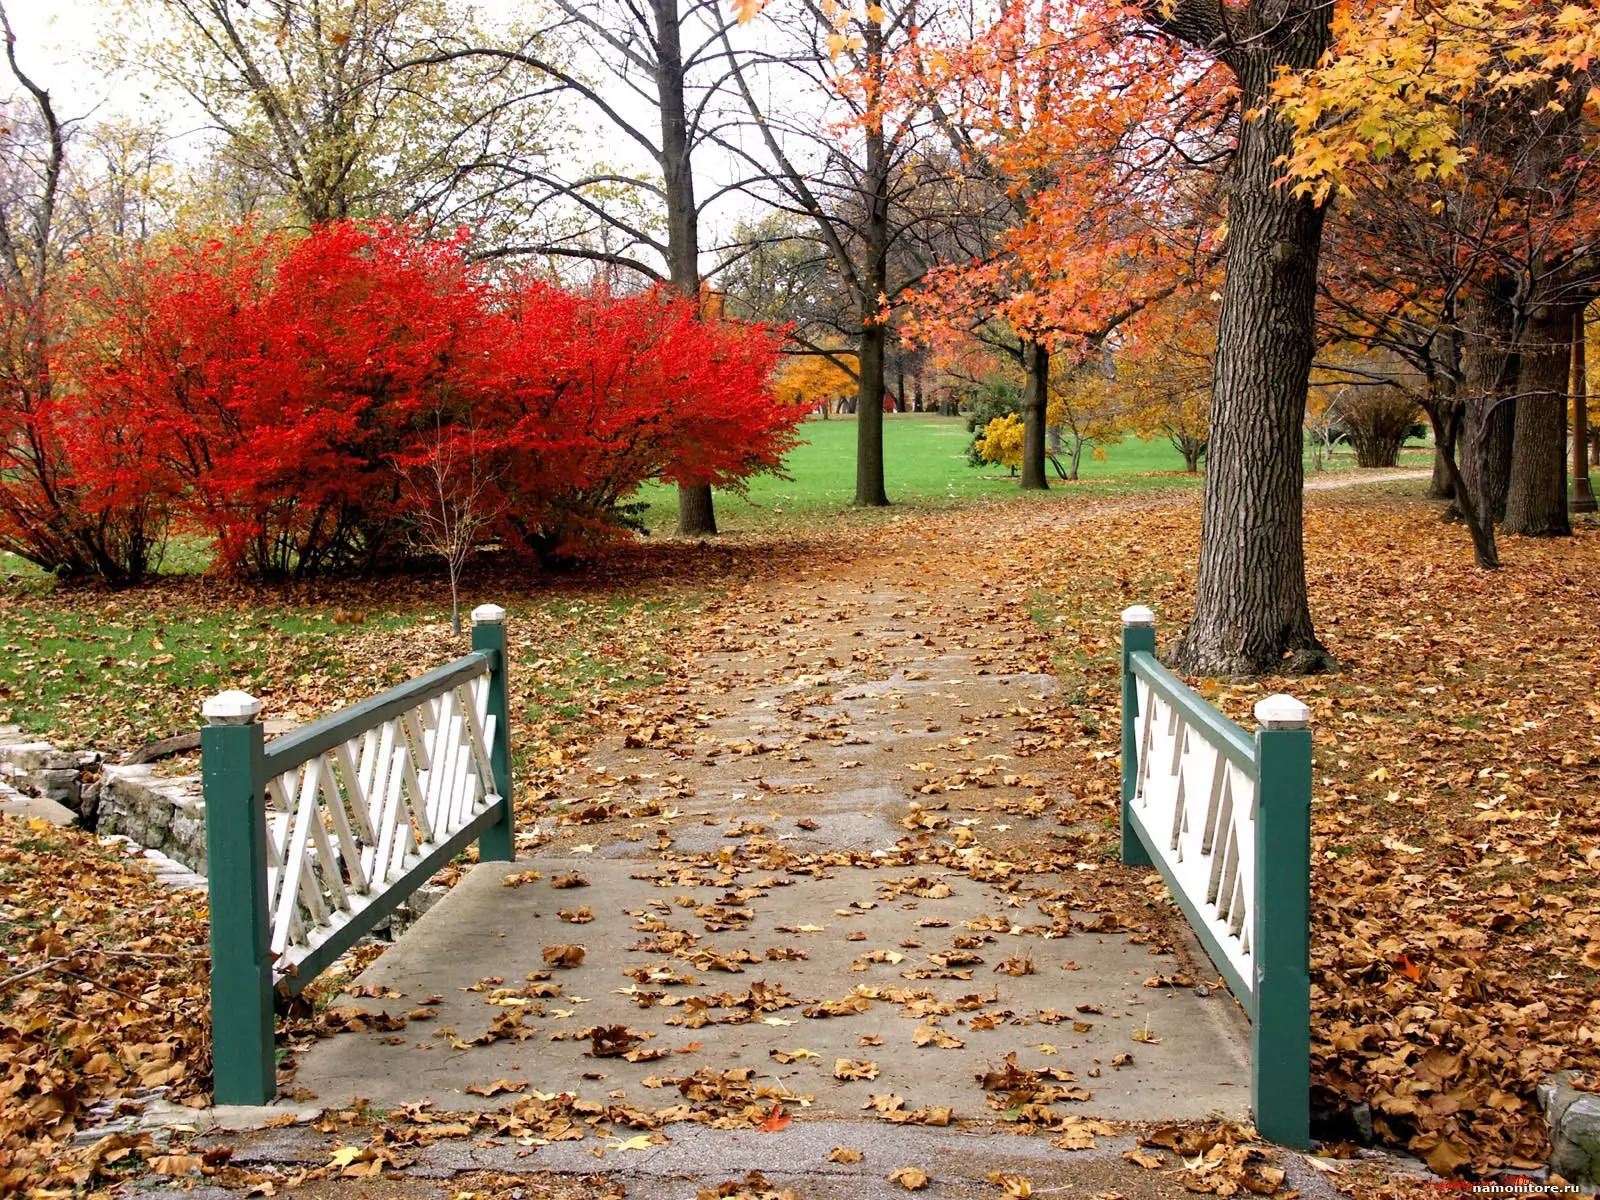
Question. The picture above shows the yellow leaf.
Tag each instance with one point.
(643, 1141)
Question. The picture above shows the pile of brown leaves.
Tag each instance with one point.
(103, 996)
(1455, 933)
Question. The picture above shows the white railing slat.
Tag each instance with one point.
(344, 825)
(1199, 806)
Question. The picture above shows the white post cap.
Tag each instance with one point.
(231, 708)
(1282, 712)
(488, 614)
(1139, 614)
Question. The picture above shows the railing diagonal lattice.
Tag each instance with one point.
(316, 837)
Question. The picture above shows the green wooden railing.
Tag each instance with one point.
(1226, 818)
(315, 838)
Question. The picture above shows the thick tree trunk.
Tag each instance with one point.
(869, 419)
(1536, 498)
(1583, 500)
(696, 511)
(1252, 615)
(1490, 366)
(697, 515)
(875, 278)
(1491, 421)
(1446, 416)
(1035, 403)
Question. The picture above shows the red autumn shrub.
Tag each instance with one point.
(279, 378)
(596, 394)
(273, 392)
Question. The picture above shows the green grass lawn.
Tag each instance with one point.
(89, 668)
(925, 464)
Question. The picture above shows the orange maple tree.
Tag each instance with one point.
(1077, 126)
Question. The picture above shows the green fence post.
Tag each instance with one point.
(233, 772)
(1280, 1051)
(498, 842)
(1138, 634)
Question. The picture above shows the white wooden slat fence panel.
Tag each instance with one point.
(346, 823)
(1199, 808)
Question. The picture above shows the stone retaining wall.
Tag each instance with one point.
(159, 812)
(69, 777)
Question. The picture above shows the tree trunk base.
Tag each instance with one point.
(1210, 657)
(697, 516)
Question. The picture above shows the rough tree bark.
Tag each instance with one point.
(1489, 362)
(1252, 615)
(875, 277)
(696, 511)
(1536, 496)
(1442, 486)
(1035, 404)
(1448, 418)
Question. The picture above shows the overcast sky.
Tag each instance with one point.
(55, 39)
(58, 40)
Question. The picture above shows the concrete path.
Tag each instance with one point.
(1363, 476)
(860, 849)
(1125, 1051)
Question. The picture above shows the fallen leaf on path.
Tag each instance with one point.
(790, 1056)
(776, 1120)
(643, 1141)
(565, 956)
(612, 1041)
(1017, 966)
(849, 1068)
(495, 1088)
(1019, 1186)
(927, 1035)
(1078, 1133)
(176, 1164)
(913, 1179)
